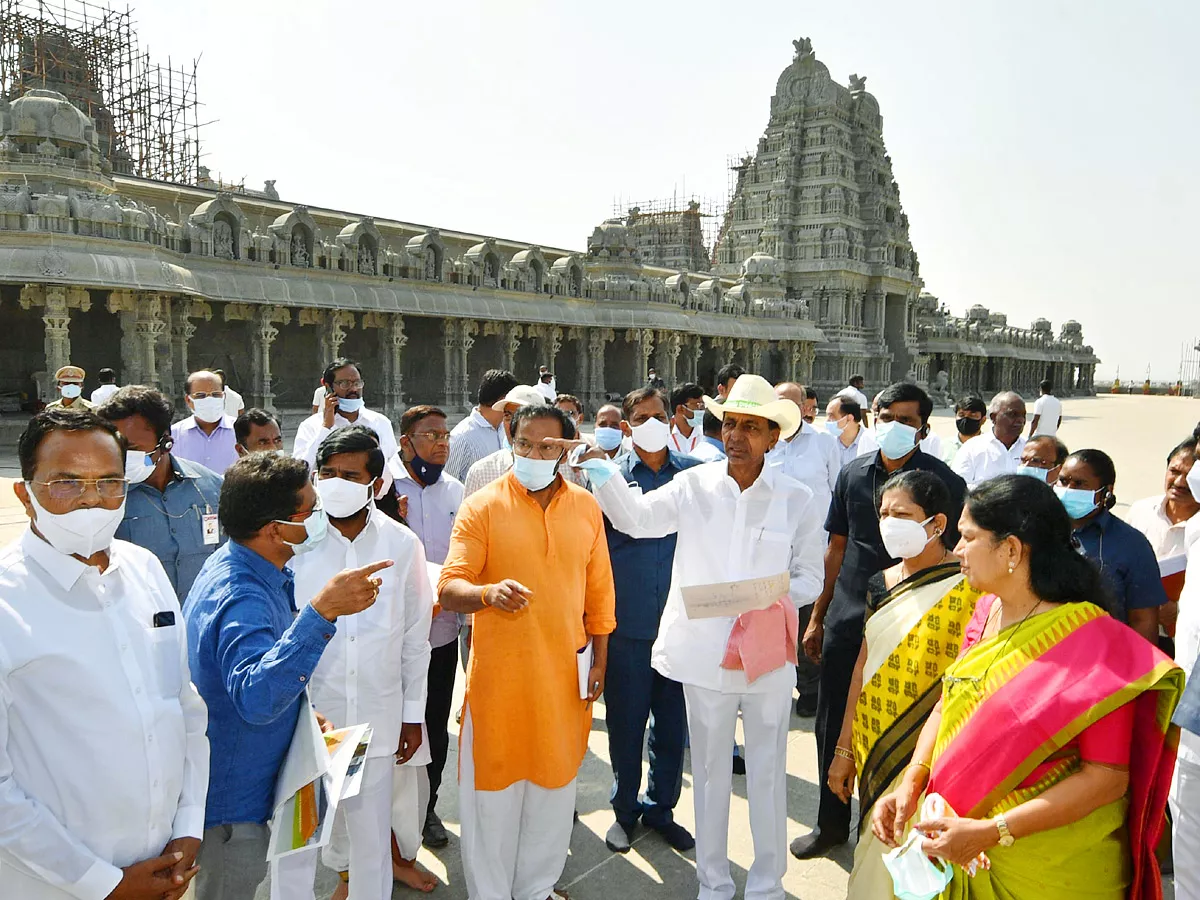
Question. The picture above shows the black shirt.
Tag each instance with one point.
(853, 514)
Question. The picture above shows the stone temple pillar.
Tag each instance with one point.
(644, 338)
(467, 329)
(392, 341)
(56, 301)
(450, 360)
(597, 339)
(669, 347)
(142, 326)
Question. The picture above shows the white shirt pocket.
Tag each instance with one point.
(165, 656)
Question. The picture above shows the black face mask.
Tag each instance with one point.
(427, 473)
(968, 426)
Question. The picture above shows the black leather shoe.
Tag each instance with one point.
(810, 846)
(434, 835)
(806, 707)
(678, 837)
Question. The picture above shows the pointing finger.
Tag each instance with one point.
(373, 567)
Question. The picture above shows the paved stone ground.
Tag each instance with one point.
(1137, 431)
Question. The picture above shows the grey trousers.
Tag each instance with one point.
(232, 860)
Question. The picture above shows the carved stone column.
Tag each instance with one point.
(582, 379)
(597, 338)
(450, 359)
(142, 326)
(758, 350)
(670, 344)
(183, 310)
(263, 320)
(392, 341)
(57, 302)
(693, 350)
(467, 329)
(510, 338)
(548, 340)
(644, 338)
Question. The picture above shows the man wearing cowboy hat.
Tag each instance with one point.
(731, 663)
(69, 380)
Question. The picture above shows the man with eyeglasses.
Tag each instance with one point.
(206, 436)
(528, 558)
(253, 653)
(172, 505)
(343, 405)
(103, 755)
(433, 497)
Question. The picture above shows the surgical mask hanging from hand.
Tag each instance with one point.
(80, 532)
(651, 435)
(896, 440)
(608, 439)
(316, 526)
(341, 498)
(535, 474)
(1078, 503)
(904, 538)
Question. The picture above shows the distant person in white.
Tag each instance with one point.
(374, 670)
(546, 384)
(482, 432)
(811, 456)
(854, 390)
(108, 386)
(1163, 518)
(1047, 412)
(844, 421)
(103, 754)
(343, 405)
(234, 404)
(999, 451)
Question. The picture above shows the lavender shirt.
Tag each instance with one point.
(213, 451)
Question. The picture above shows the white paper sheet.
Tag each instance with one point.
(732, 598)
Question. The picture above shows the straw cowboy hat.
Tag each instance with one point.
(752, 395)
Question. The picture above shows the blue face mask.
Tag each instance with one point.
(608, 439)
(534, 474)
(348, 405)
(1033, 472)
(895, 439)
(1078, 503)
(316, 526)
(696, 418)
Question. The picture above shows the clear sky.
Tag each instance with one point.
(1045, 151)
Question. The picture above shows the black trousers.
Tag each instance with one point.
(839, 653)
(443, 668)
(808, 673)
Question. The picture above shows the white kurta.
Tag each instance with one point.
(985, 457)
(312, 431)
(103, 753)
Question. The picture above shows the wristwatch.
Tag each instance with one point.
(1006, 838)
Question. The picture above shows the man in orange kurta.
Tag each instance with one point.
(528, 557)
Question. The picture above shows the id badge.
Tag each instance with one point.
(211, 529)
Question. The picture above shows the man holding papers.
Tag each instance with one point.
(528, 557)
(373, 671)
(769, 528)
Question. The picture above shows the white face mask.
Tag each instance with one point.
(342, 498)
(914, 875)
(81, 532)
(138, 466)
(651, 435)
(209, 409)
(71, 391)
(904, 538)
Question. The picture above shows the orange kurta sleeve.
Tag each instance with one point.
(468, 546)
(600, 598)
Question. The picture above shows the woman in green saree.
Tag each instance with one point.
(917, 613)
(1051, 745)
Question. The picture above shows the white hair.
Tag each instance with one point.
(1000, 399)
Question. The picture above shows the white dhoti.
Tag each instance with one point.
(361, 840)
(712, 718)
(1185, 829)
(514, 841)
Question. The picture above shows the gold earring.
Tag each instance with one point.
(1011, 568)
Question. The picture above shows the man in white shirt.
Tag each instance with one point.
(770, 530)
(1047, 412)
(998, 452)
(854, 390)
(234, 404)
(108, 386)
(103, 754)
(1163, 518)
(373, 670)
(844, 422)
(687, 418)
(546, 385)
(342, 405)
(432, 498)
(482, 432)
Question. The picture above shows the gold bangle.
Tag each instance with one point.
(483, 596)
(921, 765)
(843, 753)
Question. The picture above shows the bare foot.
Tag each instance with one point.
(409, 874)
(342, 892)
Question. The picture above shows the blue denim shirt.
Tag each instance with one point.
(251, 657)
(1126, 562)
(642, 566)
(171, 524)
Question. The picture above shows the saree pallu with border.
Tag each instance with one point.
(1013, 707)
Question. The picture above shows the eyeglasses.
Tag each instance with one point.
(346, 384)
(67, 489)
(528, 448)
(434, 437)
(317, 507)
(202, 395)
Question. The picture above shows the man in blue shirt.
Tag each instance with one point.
(171, 507)
(633, 690)
(252, 655)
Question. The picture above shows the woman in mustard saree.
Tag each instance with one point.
(917, 612)
(1051, 745)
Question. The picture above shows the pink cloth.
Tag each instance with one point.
(763, 640)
